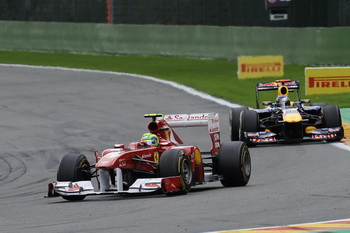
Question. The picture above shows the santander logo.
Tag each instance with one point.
(169, 118)
(198, 117)
(184, 117)
(174, 118)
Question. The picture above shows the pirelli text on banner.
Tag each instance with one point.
(260, 66)
(327, 80)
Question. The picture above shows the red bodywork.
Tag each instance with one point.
(140, 156)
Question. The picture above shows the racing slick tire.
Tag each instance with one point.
(74, 167)
(177, 163)
(332, 119)
(235, 116)
(234, 164)
(249, 123)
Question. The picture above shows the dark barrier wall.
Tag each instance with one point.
(297, 45)
(301, 13)
(92, 11)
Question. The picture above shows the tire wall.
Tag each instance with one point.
(297, 45)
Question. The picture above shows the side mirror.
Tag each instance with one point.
(266, 103)
(305, 101)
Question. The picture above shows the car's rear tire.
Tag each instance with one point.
(249, 123)
(74, 167)
(332, 119)
(234, 164)
(177, 163)
(234, 117)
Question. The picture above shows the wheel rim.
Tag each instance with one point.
(186, 171)
(246, 163)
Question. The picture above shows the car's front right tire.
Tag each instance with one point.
(332, 119)
(176, 163)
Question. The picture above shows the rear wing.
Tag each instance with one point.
(267, 86)
(286, 84)
(211, 120)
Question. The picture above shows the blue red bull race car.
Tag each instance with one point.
(160, 163)
(285, 120)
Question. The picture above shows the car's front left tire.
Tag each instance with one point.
(74, 167)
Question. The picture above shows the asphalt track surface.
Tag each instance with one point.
(47, 113)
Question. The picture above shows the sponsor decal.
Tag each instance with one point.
(334, 130)
(256, 134)
(264, 135)
(74, 188)
(156, 157)
(309, 129)
(214, 130)
(327, 80)
(189, 117)
(216, 136)
(260, 66)
(176, 117)
(214, 120)
(146, 156)
(275, 85)
(198, 117)
(272, 139)
(323, 136)
(168, 118)
(292, 116)
(152, 185)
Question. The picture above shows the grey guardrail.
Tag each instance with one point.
(297, 45)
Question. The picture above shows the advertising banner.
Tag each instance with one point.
(260, 66)
(327, 80)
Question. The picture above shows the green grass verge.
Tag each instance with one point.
(215, 77)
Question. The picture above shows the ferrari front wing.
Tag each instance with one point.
(85, 188)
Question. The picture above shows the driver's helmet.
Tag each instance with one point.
(282, 100)
(150, 139)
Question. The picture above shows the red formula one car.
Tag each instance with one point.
(159, 162)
